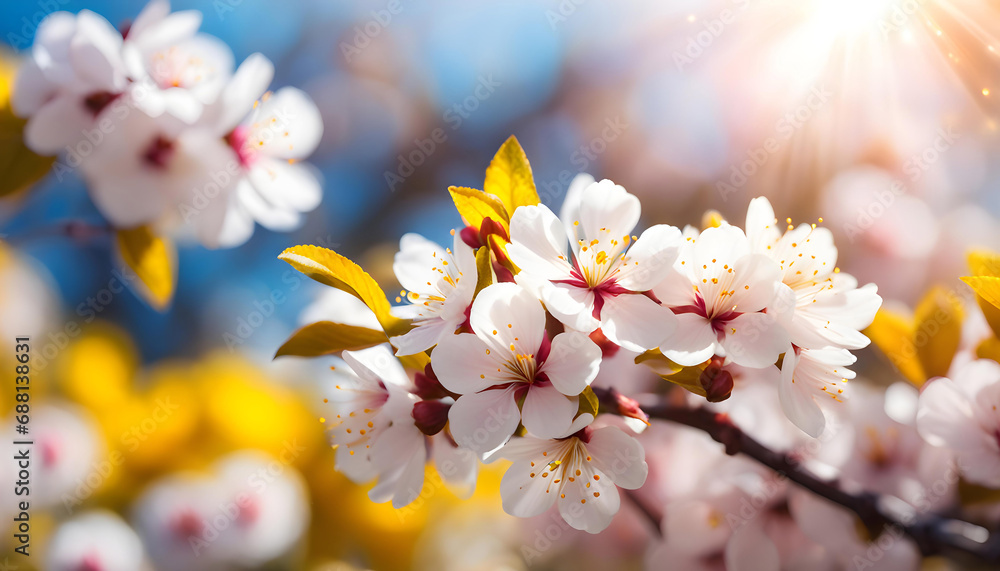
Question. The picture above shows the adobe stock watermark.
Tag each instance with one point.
(453, 117)
(581, 158)
(369, 30)
(899, 16)
(914, 167)
(784, 128)
(22, 38)
(712, 29)
(562, 12)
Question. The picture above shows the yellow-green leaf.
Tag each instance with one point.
(986, 287)
(984, 263)
(154, 260)
(326, 337)
(415, 362)
(509, 177)
(989, 348)
(894, 335)
(589, 403)
(991, 313)
(484, 269)
(687, 377)
(330, 268)
(938, 330)
(475, 206)
(973, 494)
(19, 166)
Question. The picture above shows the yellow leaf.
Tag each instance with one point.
(330, 268)
(894, 335)
(509, 177)
(984, 263)
(938, 331)
(154, 260)
(475, 206)
(19, 166)
(484, 269)
(687, 377)
(989, 349)
(589, 403)
(326, 337)
(415, 362)
(973, 494)
(991, 313)
(986, 287)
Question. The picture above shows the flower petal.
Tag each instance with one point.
(589, 504)
(547, 413)
(505, 315)
(636, 322)
(620, 456)
(693, 342)
(538, 243)
(57, 124)
(571, 305)
(247, 85)
(483, 421)
(573, 362)
(288, 125)
(754, 340)
(464, 365)
(608, 207)
(650, 259)
(524, 492)
(797, 400)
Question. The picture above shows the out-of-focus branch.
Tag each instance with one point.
(933, 535)
(72, 229)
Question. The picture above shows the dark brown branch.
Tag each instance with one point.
(645, 509)
(933, 534)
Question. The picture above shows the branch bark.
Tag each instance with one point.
(933, 534)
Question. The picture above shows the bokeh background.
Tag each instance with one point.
(878, 117)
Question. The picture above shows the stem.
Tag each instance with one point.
(932, 534)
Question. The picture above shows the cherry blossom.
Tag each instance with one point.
(509, 359)
(440, 284)
(720, 291)
(579, 473)
(963, 415)
(604, 281)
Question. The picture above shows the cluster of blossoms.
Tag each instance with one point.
(163, 129)
(506, 330)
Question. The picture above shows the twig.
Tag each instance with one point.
(933, 535)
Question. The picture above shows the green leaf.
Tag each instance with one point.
(330, 268)
(326, 337)
(509, 177)
(154, 260)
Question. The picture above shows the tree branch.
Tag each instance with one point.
(933, 534)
